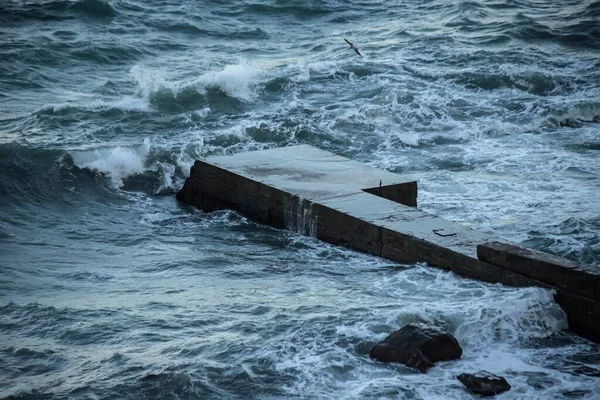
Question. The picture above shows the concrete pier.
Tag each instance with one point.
(347, 203)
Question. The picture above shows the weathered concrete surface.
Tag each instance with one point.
(344, 202)
(307, 172)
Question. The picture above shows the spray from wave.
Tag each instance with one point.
(237, 81)
(146, 167)
(116, 163)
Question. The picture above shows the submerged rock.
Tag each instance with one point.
(484, 383)
(417, 346)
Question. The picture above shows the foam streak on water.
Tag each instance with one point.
(111, 289)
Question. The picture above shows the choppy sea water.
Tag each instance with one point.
(111, 289)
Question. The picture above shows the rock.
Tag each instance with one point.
(417, 346)
(484, 383)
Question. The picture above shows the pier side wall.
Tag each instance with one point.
(403, 193)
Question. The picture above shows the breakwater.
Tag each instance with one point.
(351, 204)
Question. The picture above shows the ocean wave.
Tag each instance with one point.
(57, 10)
(187, 28)
(572, 114)
(117, 163)
(532, 313)
(468, 10)
(94, 8)
(571, 27)
(67, 326)
(171, 382)
(33, 317)
(86, 109)
(61, 49)
(298, 9)
(34, 178)
(502, 316)
(579, 31)
(533, 82)
(14, 13)
(142, 168)
(28, 360)
(113, 54)
(30, 176)
(238, 82)
(301, 9)
(65, 34)
(216, 32)
(574, 238)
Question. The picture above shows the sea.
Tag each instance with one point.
(112, 289)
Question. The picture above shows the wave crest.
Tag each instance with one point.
(117, 163)
(94, 8)
(57, 10)
(238, 82)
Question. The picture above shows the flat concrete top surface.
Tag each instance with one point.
(338, 182)
(306, 171)
(411, 221)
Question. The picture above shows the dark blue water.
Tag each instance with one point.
(111, 289)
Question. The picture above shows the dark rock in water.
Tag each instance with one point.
(484, 383)
(417, 346)
(416, 359)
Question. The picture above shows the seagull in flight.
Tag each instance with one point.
(353, 47)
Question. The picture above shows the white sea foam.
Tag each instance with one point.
(184, 161)
(121, 162)
(128, 103)
(516, 185)
(237, 80)
(493, 324)
(202, 112)
(117, 162)
(151, 81)
(167, 172)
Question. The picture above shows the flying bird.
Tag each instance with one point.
(353, 47)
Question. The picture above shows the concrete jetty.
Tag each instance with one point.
(344, 202)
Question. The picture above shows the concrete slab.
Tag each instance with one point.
(409, 220)
(307, 172)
